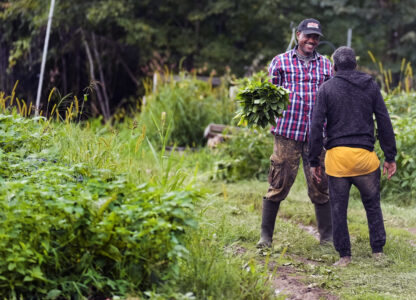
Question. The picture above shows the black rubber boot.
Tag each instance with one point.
(324, 221)
(268, 220)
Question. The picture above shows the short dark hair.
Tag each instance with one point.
(344, 58)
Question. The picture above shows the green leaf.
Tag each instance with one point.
(53, 294)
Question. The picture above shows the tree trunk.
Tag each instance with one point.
(5, 82)
(75, 85)
(92, 78)
(128, 71)
(64, 68)
(102, 79)
(2, 69)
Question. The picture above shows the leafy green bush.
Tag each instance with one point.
(69, 230)
(187, 107)
(402, 186)
(245, 155)
(16, 134)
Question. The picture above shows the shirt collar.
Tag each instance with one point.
(316, 55)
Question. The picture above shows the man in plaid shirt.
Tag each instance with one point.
(301, 70)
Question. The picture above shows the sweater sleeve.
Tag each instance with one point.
(317, 125)
(384, 126)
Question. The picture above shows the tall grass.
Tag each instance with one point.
(218, 259)
(188, 105)
(404, 81)
(103, 179)
(67, 108)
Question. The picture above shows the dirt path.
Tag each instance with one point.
(311, 230)
(413, 231)
(289, 283)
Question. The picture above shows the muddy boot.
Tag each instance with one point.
(324, 220)
(270, 209)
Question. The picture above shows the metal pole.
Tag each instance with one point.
(349, 35)
(155, 74)
(45, 50)
(293, 39)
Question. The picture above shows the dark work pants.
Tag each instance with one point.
(369, 187)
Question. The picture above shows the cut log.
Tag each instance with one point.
(214, 133)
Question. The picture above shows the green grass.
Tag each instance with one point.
(223, 262)
(220, 260)
(234, 213)
(73, 226)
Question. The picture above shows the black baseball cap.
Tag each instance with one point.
(310, 26)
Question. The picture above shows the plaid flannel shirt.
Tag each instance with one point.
(302, 81)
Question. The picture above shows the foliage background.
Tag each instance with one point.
(108, 50)
(129, 40)
(183, 109)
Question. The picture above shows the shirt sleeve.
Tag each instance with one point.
(274, 71)
(331, 70)
(317, 125)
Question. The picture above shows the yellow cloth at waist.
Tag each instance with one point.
(348, 162)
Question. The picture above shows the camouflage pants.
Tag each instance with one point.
(284, 165)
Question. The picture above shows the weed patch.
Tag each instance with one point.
(71, 230)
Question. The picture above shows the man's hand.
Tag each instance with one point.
(390, 168)
(316, 173)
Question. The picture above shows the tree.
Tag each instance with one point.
(105, 48)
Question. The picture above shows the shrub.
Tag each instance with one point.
(402, 186)
(69, 230)
(246, 155)
(187, 106)
(19, 134)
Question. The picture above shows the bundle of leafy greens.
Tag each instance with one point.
(260, 101)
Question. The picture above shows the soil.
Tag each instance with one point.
(311, 230)
(412, 230)
(290, 284)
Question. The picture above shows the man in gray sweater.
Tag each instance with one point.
(347, 103)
